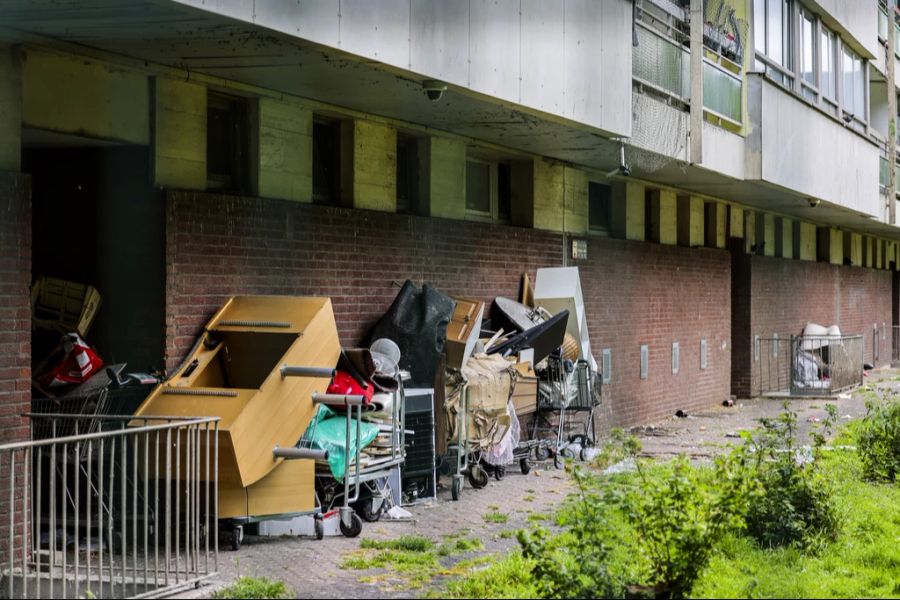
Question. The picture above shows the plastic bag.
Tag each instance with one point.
(328, 431)
(502, 453)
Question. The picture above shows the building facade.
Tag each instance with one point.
(172, 153)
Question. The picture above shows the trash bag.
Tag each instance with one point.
(417, 322)
(328, 431)
(502, 453)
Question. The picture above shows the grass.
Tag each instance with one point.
(411, 543)
(863, 562)
(254, 587)
(495, 516)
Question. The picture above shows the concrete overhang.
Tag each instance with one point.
(189, 42)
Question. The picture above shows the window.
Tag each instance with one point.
(407, 173)
(772, 37)
(326, 160)
(808, 55)
(829, 75)
(607, 365)
(676, 358)
(488, 190)
(854, 84)
(599, 203)
(645, 361)
(703, 352)
(227, 143)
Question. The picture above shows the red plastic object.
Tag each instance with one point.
(344, 383)
(79, 364)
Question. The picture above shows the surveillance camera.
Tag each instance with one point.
(434, 90)
(625, 170)
(813, 202)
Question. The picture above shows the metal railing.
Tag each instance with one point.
(771, 365)
(118, 507)
(826, 365)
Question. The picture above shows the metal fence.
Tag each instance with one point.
(772, 365)
(826, 365)
(117, 507)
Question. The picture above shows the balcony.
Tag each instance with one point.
(792, 145)
(661, 62)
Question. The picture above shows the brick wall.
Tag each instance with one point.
(635, 293)
(787, 294)
(15, 336)
(638, 293)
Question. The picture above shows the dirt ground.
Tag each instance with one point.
(312, 569)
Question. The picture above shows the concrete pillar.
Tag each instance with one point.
(576, 199)
(690, 221)
(549, 194)
(374, 166)
(716, 224)
(663, 217)
(804, 241)
(443, 181)
(784, 238)
(735, 221)
(830, 247)
(868, 250)
(766, 226)
(10, 109)
(853, 248)
(879, 253)
(627, 211)
(284, 151)
(179, 141)
(749, 231)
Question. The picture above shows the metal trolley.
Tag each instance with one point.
(462, 460)
(565, 420)
(368, 488)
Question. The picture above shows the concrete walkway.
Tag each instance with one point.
(313, 568)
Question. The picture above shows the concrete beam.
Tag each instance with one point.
(10, 109)
(830, 246)
(549, 195)
(70, 94)
(853, 248)
(735, 221)
(663, 217)
(443, 180)
(179, 140)
(766, 233)
(879, 253)
(627, 211)
(868, 252)
(716, 224)
(690, 221)
(284, 152)
(374, 166)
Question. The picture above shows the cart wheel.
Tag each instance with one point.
(477, 477)
(525, 466)
(578, 438)
(542, 453)
(319, 526)
(237, 535)
(499, 472)
(355, 526)
(583, 455)
(369, 514)
(559, 461)
(455, 488)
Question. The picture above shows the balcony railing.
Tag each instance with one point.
(661, 62)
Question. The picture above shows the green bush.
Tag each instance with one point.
(673, 517)
(878, 440)
(795, 505)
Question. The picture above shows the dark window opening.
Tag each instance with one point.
(407, 174)
(326, 161)
(504, 191)
(227, 144)
(599, 203)
(478, 187)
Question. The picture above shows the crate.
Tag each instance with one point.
(63, 306)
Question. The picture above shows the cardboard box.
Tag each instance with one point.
(462, 331)
(525, 389)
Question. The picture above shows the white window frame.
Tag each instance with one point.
(494, 182)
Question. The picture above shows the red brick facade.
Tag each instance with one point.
(15, 337)
(788, 294)
(635, 293)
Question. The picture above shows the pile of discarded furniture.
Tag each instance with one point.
(315, 438)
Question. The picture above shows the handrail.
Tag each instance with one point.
(107, 434)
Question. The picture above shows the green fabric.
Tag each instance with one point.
(328, 431)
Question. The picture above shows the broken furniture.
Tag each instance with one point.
(462, 332)
(257, 365)
(557, 289)
(63, 306)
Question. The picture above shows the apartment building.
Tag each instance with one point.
(175, 152)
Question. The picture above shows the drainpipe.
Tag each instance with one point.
(892, 117)
(696, 149)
